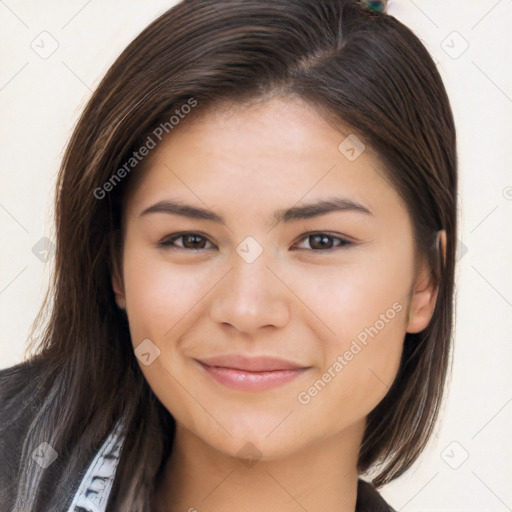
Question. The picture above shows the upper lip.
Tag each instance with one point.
(251, 364)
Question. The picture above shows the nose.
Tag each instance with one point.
(251, 296)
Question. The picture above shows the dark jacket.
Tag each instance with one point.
(13, 428)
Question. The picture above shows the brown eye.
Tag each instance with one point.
(192, 241)
(324, 242)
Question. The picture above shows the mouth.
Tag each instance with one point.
(251, 374)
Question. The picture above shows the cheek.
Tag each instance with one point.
(162, 303)
(355, 296)
(375, 354)
(160, 295)
(364, 306)
(358, 370)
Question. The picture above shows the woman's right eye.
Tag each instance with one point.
(190, 241)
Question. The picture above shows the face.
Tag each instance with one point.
(276, 314)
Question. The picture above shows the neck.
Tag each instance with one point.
(321, 476)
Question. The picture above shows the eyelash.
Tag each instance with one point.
(168, 242)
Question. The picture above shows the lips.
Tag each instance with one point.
(251, 364)
(251, 374)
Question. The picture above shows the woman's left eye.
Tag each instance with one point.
(195, 241)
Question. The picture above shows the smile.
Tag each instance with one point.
(251, 374)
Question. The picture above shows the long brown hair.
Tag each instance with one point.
(368, 72)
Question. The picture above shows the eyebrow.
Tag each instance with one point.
(287, 215)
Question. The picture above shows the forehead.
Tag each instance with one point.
(280, 150)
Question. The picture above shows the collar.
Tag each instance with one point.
(94, 489)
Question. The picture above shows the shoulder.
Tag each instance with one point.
(369, 500)
(25, 397)
(18, 405)
(18, 396)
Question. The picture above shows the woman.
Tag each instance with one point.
(252, 300)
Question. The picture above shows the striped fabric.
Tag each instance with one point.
(94, 490)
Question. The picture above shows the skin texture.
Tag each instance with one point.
(307, 304)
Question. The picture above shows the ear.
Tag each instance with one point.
(424, 292)
(116, 273)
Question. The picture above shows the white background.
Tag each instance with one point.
(40, 99)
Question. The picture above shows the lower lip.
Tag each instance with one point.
(251, 381)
